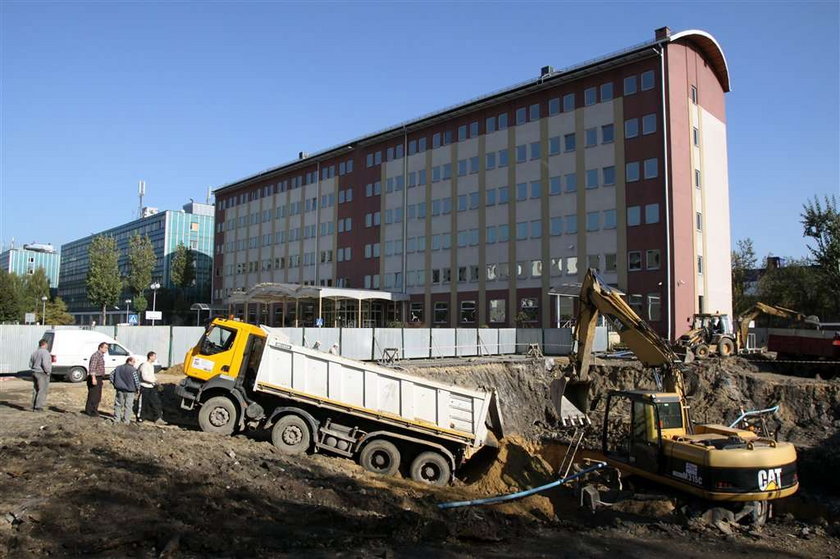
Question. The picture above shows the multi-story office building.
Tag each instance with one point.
(24, 261)
(480, 210)
(192, 227)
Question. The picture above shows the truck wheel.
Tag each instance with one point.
(217, 415)
(380, 457)
(726, 347)
(291, 435)
(701, 351)
(432, 468)
(76, 374)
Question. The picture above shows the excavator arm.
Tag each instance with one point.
(761, 308)
(653, 351)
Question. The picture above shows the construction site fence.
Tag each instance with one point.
(171, 343)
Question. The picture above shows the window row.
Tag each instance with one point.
(652, 260)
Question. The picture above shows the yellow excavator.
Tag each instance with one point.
(650, 433)
(743, 325)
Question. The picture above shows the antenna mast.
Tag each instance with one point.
(141, 190)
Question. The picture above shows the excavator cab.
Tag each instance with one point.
(636, 422)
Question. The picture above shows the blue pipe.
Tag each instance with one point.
(774, 409)
(520, 494)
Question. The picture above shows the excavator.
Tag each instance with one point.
(650, 433)
(743, 326)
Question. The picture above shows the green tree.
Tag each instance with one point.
(743, 259)
(56, 313)
(35, 286)
(11, 297)
(182, 270)
(821, 223)
(797, 286)
(141, 262)
(103, 282)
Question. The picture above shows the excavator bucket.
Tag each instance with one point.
(567, 412)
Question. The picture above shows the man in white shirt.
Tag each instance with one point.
(149, 396)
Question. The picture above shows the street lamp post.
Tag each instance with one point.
(154, 287)
(43, 309)
(127, 305)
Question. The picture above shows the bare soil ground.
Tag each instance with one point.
(72, 485)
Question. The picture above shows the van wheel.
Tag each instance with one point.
(76, 374)
(380, 457)
(432, 468)
(291, 435)
(217, 415)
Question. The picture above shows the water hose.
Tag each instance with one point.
(746, 414)
(520, 494)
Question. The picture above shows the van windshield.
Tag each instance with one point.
(216, 340)
(49, 336)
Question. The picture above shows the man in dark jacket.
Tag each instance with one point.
(127, 384)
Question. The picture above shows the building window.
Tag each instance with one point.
(629, 85)
(571, 182)
(534, 112)
(652, 213)
(606, 92)
(521, 116)
(490, 125)
(536, 229)
(569, 141)
(468, 311)
(590, 96)
(699, 264)
(651, 168)
(554, 186)
(497, 310)
(593, 221)
(699, 221)
(571, 224)
(652, 259)
(441, 311)
(609, 219)
(607, 134)
(536, 189)
(654, 308)
(504, 195)
(697, 178)
(636, 303)
(591, 178)
(462, 132)
(490, 161)
(695, 135)
(568, 102)
(556, 266)
(536, 268)
(554, 106)
(503, 158)
(571, 266)
(521, 191)
(591, 137)
(634, 260)
(631, 128)
(594, 261)
(649, 124)
(554, 145)
(610, 262)
(631, 171)
(608, 174)
(417, 312)
(694, 94)
(528, 310)
(521, 153)
(503, 121)
(648, 80)
(556, 226)
(535, 150)
(521, 230)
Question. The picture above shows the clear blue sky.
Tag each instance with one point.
(191, 95)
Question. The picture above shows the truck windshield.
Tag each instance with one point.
(216, 340)
(670, 415)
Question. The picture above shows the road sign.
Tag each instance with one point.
(133, 319)
(319, 322)
(29, 318)
(154, 315)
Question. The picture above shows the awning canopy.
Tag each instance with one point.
(277, 292)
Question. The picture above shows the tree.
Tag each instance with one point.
(141, 262)
(35, 286)
(796, 286)
(103, 282)
(56, 313)
(743, 259)
(821, 223)
(11, 297)
(182, 270)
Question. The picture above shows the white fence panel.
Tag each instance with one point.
(325, 336)
(488, 341)
(17, 342)
(466, 340)
(143, 339)
(183, 338)
(418, 342)
(507, 341)
(357, 343)
(443, 342)
(384, 338)
(526, 337)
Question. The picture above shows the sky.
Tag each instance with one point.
(189, 96)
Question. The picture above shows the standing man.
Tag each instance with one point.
(40, 364)
(95, 379)
(127, 384)
(148, 389)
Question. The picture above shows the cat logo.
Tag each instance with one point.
(769, 480)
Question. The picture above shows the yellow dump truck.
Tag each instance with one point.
(241, 376)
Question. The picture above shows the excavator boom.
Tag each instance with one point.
(762, 308)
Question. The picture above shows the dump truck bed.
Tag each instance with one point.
(374, 392)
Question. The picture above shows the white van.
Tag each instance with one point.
(71, 351)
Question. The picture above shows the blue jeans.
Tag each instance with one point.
(123, 402)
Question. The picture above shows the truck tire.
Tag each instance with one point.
(701, 351)
(217, 415)
(380, 457)
(291, 435)
(76, 374)
(432, 468)
(726, 347)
